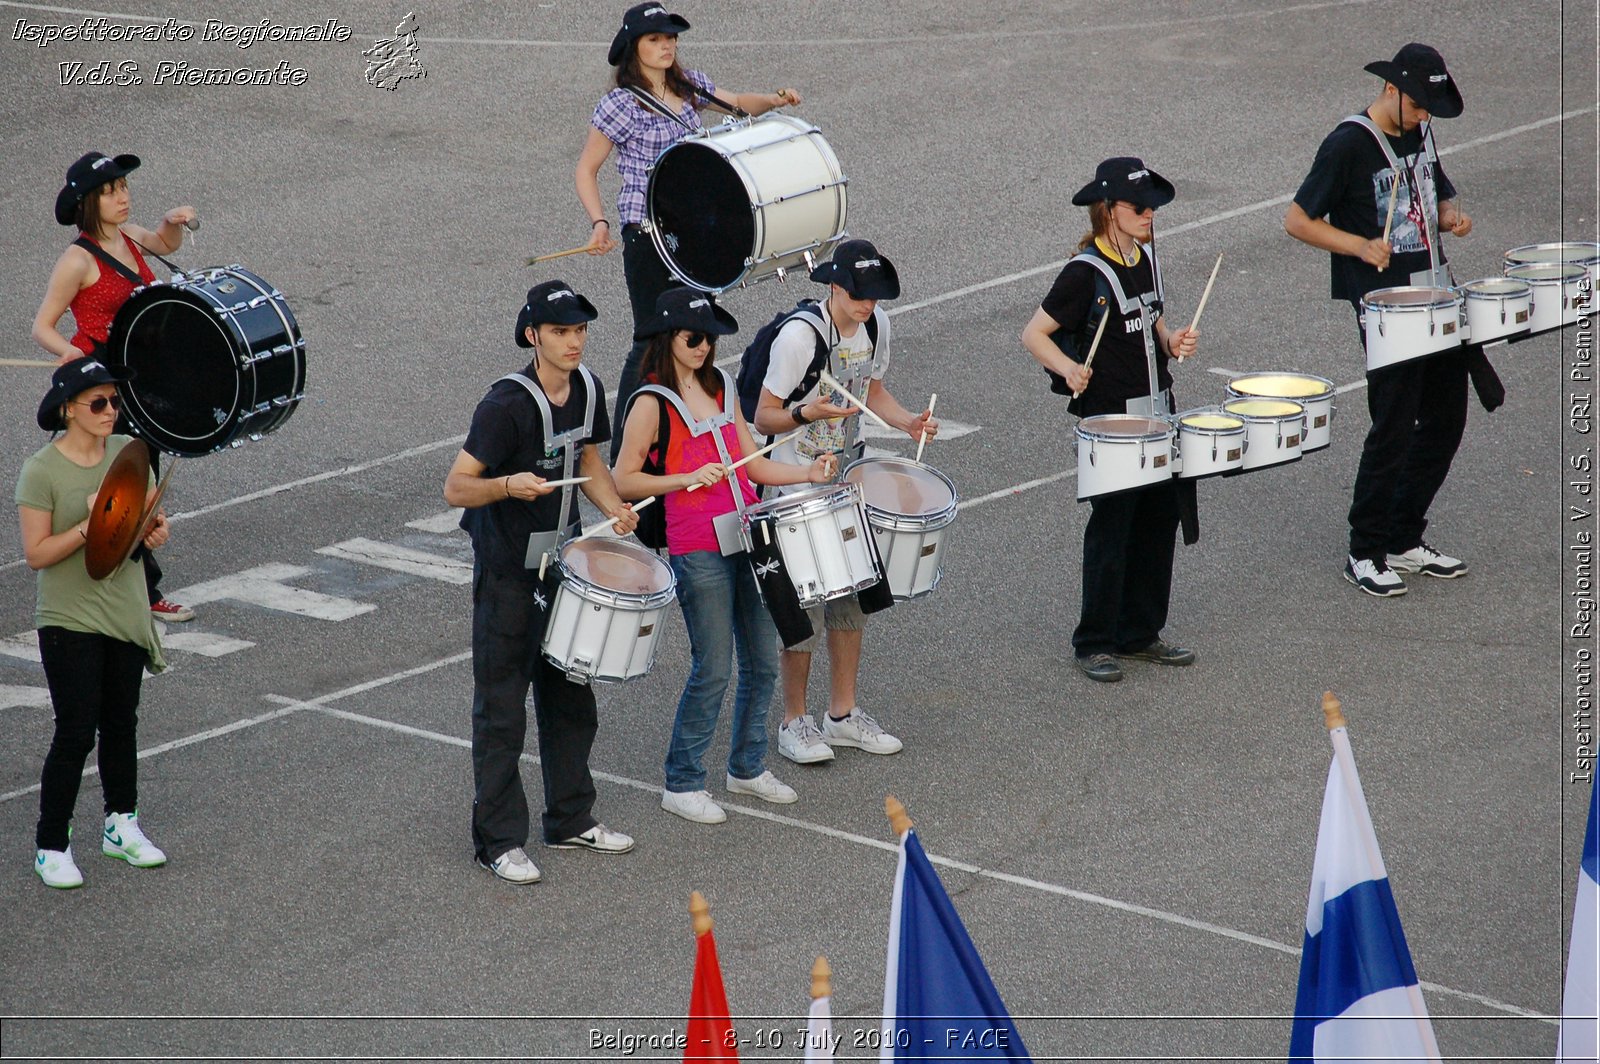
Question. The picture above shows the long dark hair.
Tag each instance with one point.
(88, 214)
(1099, 223)
(657, 366)
(629, 75)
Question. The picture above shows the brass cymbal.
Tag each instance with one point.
(119, 511)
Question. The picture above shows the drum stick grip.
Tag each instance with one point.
(831, 381)
(1094, 346)
(602, 526)
(922, 440)
(779, 442)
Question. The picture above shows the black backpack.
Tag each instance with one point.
(753, 363)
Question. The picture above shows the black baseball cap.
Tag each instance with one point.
(71, 380)
(1128, 179)
(552, 303)
(89, 173)
(639, 20)
(857, 267)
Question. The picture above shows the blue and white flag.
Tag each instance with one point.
(1359, 996)
(938, 1000)
(1579, 1039)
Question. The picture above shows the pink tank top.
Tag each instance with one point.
(690, 513)
(95, 307)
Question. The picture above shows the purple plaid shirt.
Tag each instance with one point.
(641, 136)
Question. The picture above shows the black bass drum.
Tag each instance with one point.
(219, 359)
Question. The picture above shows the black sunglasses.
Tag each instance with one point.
(696, 338)
(98, 404)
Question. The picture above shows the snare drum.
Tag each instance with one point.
(1274, 430)
(1557, 290)
(909, 506)
(746, 201)
(219, 359)
(822, 538)
(606, 617)
(1117, 452)
(1409, 322)
(1498, 308)
(1313, 393)
(1209, 442)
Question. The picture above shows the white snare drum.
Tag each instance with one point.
(1209, 442)
(823, 539)
(1574, 253)
(1498, 308)
(745, 201)
(1274, 430)
(1557, 290)
(606, 617)
(909, 506)
(1121, 451)
(1410, 322)
(1313, 393)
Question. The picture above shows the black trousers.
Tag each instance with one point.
(1128, 546)
(94, 686)
(647, 278)
(1419, 412)
(507, 629)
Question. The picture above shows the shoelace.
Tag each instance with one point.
(866, 723)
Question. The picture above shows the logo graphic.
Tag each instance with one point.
(389, 62)
(766, 568)
(539, 599)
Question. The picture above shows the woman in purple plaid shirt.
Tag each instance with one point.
(645, 54)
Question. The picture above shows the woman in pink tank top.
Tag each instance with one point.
(721, 603)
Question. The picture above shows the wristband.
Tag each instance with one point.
(600, 221)
(798, 412)
(83, 532)
(508, 487)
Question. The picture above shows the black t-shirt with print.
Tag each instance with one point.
(1349, 184)
(1120, 371)
(507, 437)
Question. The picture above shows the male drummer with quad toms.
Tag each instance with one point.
(535, 426)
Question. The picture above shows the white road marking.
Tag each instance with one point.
(24, 645)
(402, 559)
(948, 430)
(447, 522)
(1017, 489)
(206, 644)
(263, 586)
(13, 696)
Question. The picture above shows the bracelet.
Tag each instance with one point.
(798, 412)
(600, 221)
(83, 532)
(508, 486)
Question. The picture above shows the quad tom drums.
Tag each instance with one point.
(909, 507)
(218, 356)
(606, 618)
(1117, 452)
(1498, 308)
(1209, 442)
(1313, 393)
(822, 534)
(1274, 430)
(1574, 253)
(1558, 289)
(746, 201)
(1410, 322)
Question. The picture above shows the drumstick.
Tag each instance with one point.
(556, 255)
(27, 362)
(564, 483)
(779, 442)
(922, 441)
(595, 531)
(1394, 191)
(1093, 346)
(1201, 309)
(832, 382)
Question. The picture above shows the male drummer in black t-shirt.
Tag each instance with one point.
(540, 425)
(1418, 407)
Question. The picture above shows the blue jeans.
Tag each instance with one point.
(721, 608)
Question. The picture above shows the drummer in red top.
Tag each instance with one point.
(94, 277)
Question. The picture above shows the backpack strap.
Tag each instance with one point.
(1430, 155)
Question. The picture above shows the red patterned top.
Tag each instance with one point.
(93, 308)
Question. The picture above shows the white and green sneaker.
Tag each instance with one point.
(124, 840)
(57, 868)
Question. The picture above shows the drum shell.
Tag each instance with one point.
(1497, 315)
(1399, 332)
(910, 546)
(1558, 291)
(596, 633)
(1116, 454)
(1270, 439)
(1204, 452)
(793, 202)
(822, 538)
(1319, 407)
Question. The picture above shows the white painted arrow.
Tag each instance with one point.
(264, 586)
(402, 559)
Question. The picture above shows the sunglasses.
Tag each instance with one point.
(1136, 208)
(696, 338)
(98, 404)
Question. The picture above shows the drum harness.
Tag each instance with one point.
(541, 544)
(1148, 307)
(1438, 275)
(727, 531)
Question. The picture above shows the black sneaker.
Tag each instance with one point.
(1161, 653)
(1100, 667)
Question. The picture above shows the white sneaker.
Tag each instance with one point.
(513, 866)
(124, 840)
(766, 786)
(697, 806)
(57, 868)
(1375, 578)
(1424, 559)
(861, 731)
(599, 838)
(801, 742)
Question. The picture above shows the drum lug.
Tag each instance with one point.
(810, 260)
(780, 273)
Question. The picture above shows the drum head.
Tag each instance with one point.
(1579, 252)
(1282, 386)
(1129, 426)
(1263, 408)
(1552, 273)
(617, 566)
(901, 487)
(1496, 287)
(702, 214)
(1411, 298)
(1211, 422)
(187, 399)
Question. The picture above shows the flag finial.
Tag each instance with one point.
(821, 979)
(700, 910)
(899, 820)
(1332, 714)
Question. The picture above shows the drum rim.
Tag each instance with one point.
(1590, 244)
(1564, 272)
(1326, 395)
(1452, 299)
(1231, 430)
(1523, 289)
(804, 503)
(627, 549)
(1091, 434)
(1299, 411)
(924, 521)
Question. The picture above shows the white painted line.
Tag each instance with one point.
(24, 645)
(206, 644)
(1352, 386)
(1221, 372)
(948, 430)
(402, 560)
(13, 696)
(447, 522)
(320, 705)
(1017, 489)
(263, 586)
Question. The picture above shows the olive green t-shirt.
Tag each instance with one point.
(68, 597)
